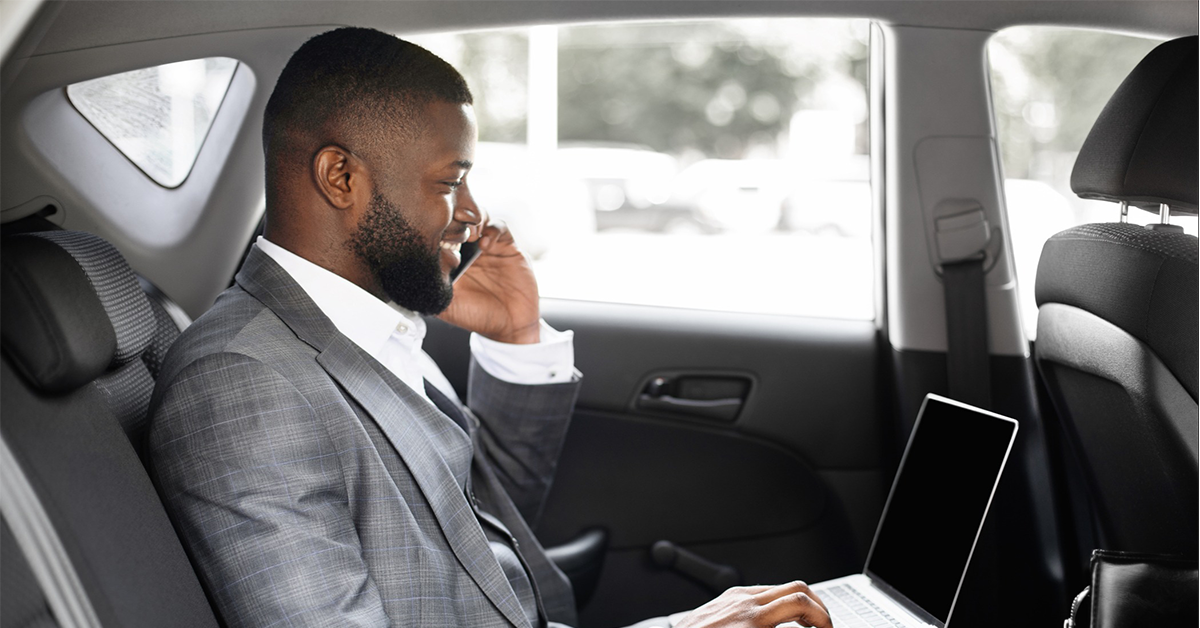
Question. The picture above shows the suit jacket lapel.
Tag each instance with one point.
(400, 414)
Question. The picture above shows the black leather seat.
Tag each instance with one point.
(1117, 325)
(81, 346)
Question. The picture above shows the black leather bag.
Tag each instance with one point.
(1134, 590)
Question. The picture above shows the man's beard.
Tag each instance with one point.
(409, 272)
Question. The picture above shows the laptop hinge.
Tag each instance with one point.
(903, 602)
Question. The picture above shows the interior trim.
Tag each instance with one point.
(38, 540)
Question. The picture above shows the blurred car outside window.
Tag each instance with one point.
(157, 117)
(716, 165)
(1048, 87)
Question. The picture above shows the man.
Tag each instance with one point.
(316, 462)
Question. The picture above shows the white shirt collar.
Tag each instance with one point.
(360, 316)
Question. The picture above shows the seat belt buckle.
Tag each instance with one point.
(962, 231)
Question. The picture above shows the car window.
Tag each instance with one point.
(717, 165)
(157, 117)
(1049, 85)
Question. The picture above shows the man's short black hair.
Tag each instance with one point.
(353, 86)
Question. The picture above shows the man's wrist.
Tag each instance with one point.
(527, 335)
(550, 360)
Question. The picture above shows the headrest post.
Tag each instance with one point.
(1124, 211)
(1164, 213)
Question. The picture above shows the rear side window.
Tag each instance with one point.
(716, 165)
(1049, 86)
(157, 117)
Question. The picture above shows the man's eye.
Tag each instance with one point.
(453, 185)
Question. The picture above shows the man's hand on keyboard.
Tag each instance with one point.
(760, 607)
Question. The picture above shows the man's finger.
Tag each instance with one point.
(799, 607)
(797, 586)
(752, 589)
(492, 233)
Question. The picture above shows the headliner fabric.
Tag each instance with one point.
(1143, 147)
(1141, 280)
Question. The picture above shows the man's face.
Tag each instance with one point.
(420, 211)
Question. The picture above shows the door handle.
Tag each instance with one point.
(711, 397)
(716, 409)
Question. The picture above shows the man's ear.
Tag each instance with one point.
(340, 176)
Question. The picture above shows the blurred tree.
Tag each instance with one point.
(719, 89)
(1049, 85)
(496, 66)
(713, 89)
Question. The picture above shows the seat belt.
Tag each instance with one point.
(968, 371)
(962, 238)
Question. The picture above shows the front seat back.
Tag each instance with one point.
(81, 344)
(1117, 324)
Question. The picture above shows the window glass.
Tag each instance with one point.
(158, 117)
(1049, 85)
(713, 165)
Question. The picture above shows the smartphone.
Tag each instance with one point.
(468, 253)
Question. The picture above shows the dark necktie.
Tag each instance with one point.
(446, 405)
(498, 536)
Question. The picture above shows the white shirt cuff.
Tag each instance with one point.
(549, 361)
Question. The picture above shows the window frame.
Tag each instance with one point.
(237, 67)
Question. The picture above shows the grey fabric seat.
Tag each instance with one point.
(81, 347)
(1117, 326)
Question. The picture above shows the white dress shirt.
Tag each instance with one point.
(393, 335)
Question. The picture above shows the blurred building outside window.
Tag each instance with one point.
(1048, 87)
(715, 165)
(157, 117)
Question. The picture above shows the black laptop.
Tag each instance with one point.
(931, 521)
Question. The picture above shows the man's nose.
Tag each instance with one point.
(465, 209)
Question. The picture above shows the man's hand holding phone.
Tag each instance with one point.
(469, 252)
(498, 296)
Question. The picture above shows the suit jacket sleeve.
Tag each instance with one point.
(254, 485)
(522, 430)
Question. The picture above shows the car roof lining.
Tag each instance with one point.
(79, 25)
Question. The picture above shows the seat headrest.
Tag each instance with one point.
(1143, 147)
(72, 308)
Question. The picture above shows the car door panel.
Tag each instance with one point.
(791, 488)
(647, 479)
(804, 369)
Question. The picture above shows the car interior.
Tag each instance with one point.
(710, 446)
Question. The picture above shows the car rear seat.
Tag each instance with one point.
(81, 347)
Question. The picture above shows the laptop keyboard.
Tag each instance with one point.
(851, 609)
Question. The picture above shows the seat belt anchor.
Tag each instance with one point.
(963, 233)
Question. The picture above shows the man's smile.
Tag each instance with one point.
(451, 249)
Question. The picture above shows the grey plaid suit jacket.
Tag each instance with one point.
(312, 488)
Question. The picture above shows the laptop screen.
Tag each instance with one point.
(938, 502)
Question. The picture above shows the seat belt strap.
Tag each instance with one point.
(968, 371)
